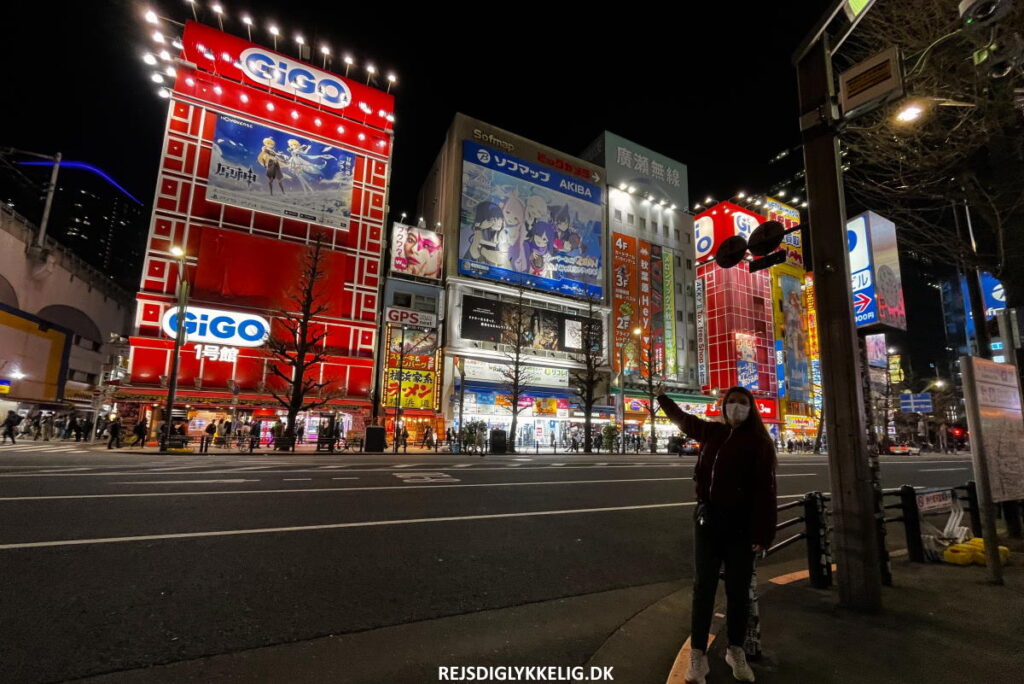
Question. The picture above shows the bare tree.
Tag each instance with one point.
(585, 381)
(517, 335)
(296, 352)
(966, 149)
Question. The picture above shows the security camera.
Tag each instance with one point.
(984, 12)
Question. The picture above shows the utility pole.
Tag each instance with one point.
(856, 535)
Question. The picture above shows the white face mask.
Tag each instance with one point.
(737, 413)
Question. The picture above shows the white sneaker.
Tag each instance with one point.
(737, 659)
(699, 667)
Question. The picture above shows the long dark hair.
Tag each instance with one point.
(753, 422)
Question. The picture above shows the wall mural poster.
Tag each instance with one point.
(746, 361)
(657, 310)
(625, 294)
(526, 224)
(416, 251)
(797, 372)
(489, 320)
(262, 168)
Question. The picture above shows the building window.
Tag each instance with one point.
(665, 226)
(629, 219)
(654, 226)
(403, 299)
(425, 304)
(618, 215)
(643, 223)
(677, 239)
(689, 317)
(679, 263)
(679, 316)
(679, 288)
(689, 265)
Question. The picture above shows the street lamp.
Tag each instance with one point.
(622, 391)
(179, 340)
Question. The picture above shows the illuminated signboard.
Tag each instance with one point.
(416, 252)
(875, 272)
(218, 327)
(522, 223)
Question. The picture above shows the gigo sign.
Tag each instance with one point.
(409, 317)
(218, 327)
(295, 78)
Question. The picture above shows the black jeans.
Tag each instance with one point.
(721, 541)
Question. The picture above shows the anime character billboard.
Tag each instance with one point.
(527, 224)
(416, 251)
(265, 169)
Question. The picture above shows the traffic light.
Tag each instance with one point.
(764, 243)
(957, 432)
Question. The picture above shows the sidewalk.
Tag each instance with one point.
(940, 623)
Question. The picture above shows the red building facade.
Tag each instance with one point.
(319, 133)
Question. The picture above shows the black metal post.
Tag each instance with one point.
(1011, 514)
(972, 502)
(818, 566)
(912, 523)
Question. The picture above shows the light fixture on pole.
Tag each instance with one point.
(192, 4)
(370, 71)
(391, 81)
(326, 52)
(348, 64)
(219, 11)
(274, 31)
(247, 20)
(179, 341)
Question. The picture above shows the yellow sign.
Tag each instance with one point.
(5, 386)
(417, 388)
(801, 423)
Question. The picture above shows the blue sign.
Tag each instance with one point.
(746, 372)
(916, 403)
(865, 300)
(780, 368)
(993, 293)
(527, 224)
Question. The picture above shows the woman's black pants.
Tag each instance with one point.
(717, 543)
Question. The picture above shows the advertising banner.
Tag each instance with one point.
(524, 224)
(994, 297)
(702, 344)
(768, 408)
(488, 320)
(625, 293)
(541, 376)
(719, 222)
(657, 310)
(797, 373)
(877, 350)
(399, 316)
(262, 168)
(414, 341)
(813, 350)
(33, 356)
(416, 252)
(669, 308)
(789, 217)
(417, 388)
(646, 301)
(746, 361)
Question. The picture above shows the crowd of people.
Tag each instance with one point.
(47, 427)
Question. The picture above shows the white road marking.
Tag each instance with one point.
(405, 465)
(185, 481)
(462, 465)
(600, 464)
(334, 526)
(344, 478)
(296, 479)
(62, 469)
(939, 470)
(339, 489)
(556, 465)
(335, 467)
(513, 465)
(183, 467)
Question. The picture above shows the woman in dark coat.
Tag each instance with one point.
(734, 519)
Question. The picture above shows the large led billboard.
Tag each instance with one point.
(258, 167)
(489, 320)
(529, 225)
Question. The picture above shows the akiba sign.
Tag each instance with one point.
(218, 327)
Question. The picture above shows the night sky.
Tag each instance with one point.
(710, 84)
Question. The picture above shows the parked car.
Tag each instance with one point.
(690, 448)
(913, 450)
(904, 449)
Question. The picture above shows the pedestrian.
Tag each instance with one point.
(405, 438)
(139, 431)
(211, 430)
(255, 430)
(734, 519)
(552, 441)
(114, 428)
(87, 435)
(10, 422)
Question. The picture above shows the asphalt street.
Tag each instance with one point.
(116, 561)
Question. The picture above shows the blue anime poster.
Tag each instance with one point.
(265, 169)
(527, 224)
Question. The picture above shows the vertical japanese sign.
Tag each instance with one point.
(669, 312)
(789, 217)
(875, 272)
(992, 391)
(746, 361)
(624, 299)
(657, 309)
(702, 345)
(644, 270)
(813, 348)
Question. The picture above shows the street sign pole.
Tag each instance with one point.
(856, 535)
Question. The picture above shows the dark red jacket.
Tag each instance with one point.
(735, 471)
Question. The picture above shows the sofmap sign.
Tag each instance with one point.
(218, 327)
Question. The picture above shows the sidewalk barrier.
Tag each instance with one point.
(971, 497)
(752, 640)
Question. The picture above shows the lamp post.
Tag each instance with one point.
(179, 340)
(398, 392)
(622, 392)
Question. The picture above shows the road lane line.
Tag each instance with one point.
(296, 479)
(344, 478)
(939, 470)
(185, 482)
(330, 489)
(462, 465)
(334, 526)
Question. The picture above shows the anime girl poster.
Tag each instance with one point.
(527, 224)
(262, 168)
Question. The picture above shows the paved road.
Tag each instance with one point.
(114, 561)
